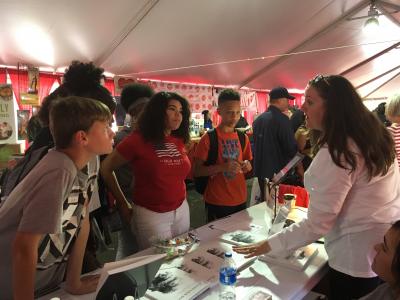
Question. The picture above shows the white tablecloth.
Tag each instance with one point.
(280, 282)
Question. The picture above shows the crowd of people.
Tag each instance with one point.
(350, 172)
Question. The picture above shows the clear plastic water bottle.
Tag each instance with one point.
(227, 278)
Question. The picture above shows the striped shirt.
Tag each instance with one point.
(395, 131)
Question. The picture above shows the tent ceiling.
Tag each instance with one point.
(144, 38)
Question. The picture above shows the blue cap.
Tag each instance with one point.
(228, 254)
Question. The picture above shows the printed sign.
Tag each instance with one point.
(31, 96)
(8, 132)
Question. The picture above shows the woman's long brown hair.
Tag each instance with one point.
(346, 117)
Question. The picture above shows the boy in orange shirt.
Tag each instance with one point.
(226, 191)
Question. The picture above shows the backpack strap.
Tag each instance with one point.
(213, 150)
(242, 138)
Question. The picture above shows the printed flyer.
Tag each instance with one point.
(8, 132)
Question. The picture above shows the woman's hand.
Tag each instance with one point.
(86, 285)
(252, 250)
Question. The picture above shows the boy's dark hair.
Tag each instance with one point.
(228, 95)
(152, 120)
(72, 114)
(132, 92)
(80, 79)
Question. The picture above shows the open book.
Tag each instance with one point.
(130, 276)
(189, 276)
(297, 260)
(215, 251)
(243, 238)
(177, 283)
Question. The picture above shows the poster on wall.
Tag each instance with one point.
(120, 82)
(200, 97)
(22, 120)
(248, 100)
(31, 95)
(7, 115)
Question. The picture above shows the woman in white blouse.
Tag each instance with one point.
(353, 184)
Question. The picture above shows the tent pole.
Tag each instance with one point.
(389, 5)
(315, 36)
(390, 79)
(135, 21)
(369, 59)
(382, 8)
(377, 77)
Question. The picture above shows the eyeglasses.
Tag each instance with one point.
(319, 78)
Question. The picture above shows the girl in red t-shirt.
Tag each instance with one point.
(156, 153)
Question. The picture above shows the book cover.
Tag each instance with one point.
(243, 238)
(177, 283)
(140, 270)
(297, 260)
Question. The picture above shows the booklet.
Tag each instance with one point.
(243, 238)
(176, 284)
(130, 276)
(278, 178)
(297, 260)
(215, 251)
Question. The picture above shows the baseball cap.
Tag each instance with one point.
(280, 92)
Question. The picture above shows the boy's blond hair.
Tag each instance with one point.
(393, 107)
(71, 114)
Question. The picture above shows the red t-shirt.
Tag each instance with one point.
(225, 189)
(159, 170)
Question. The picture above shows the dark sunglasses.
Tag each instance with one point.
(320, 78)
(166, 95)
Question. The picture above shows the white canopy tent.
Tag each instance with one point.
(254, 43)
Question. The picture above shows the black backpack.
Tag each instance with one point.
(12, 177)
(200, 183)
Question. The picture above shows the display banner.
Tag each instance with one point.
(8, 122)
(31, 96)
(248, 100)
(200, 97)
(120, 82)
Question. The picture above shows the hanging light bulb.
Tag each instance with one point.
(371, 25)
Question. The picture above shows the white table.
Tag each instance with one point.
(280, 282)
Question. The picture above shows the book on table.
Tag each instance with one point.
(128, 277)
(243, 238)
(189, 276)
(177, 283)
(185, 277)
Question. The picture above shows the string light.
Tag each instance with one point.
(253, 59)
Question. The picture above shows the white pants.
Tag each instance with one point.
(148, 225)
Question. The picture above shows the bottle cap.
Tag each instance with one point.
(228, 254)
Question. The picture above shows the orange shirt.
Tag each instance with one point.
(225, 189)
